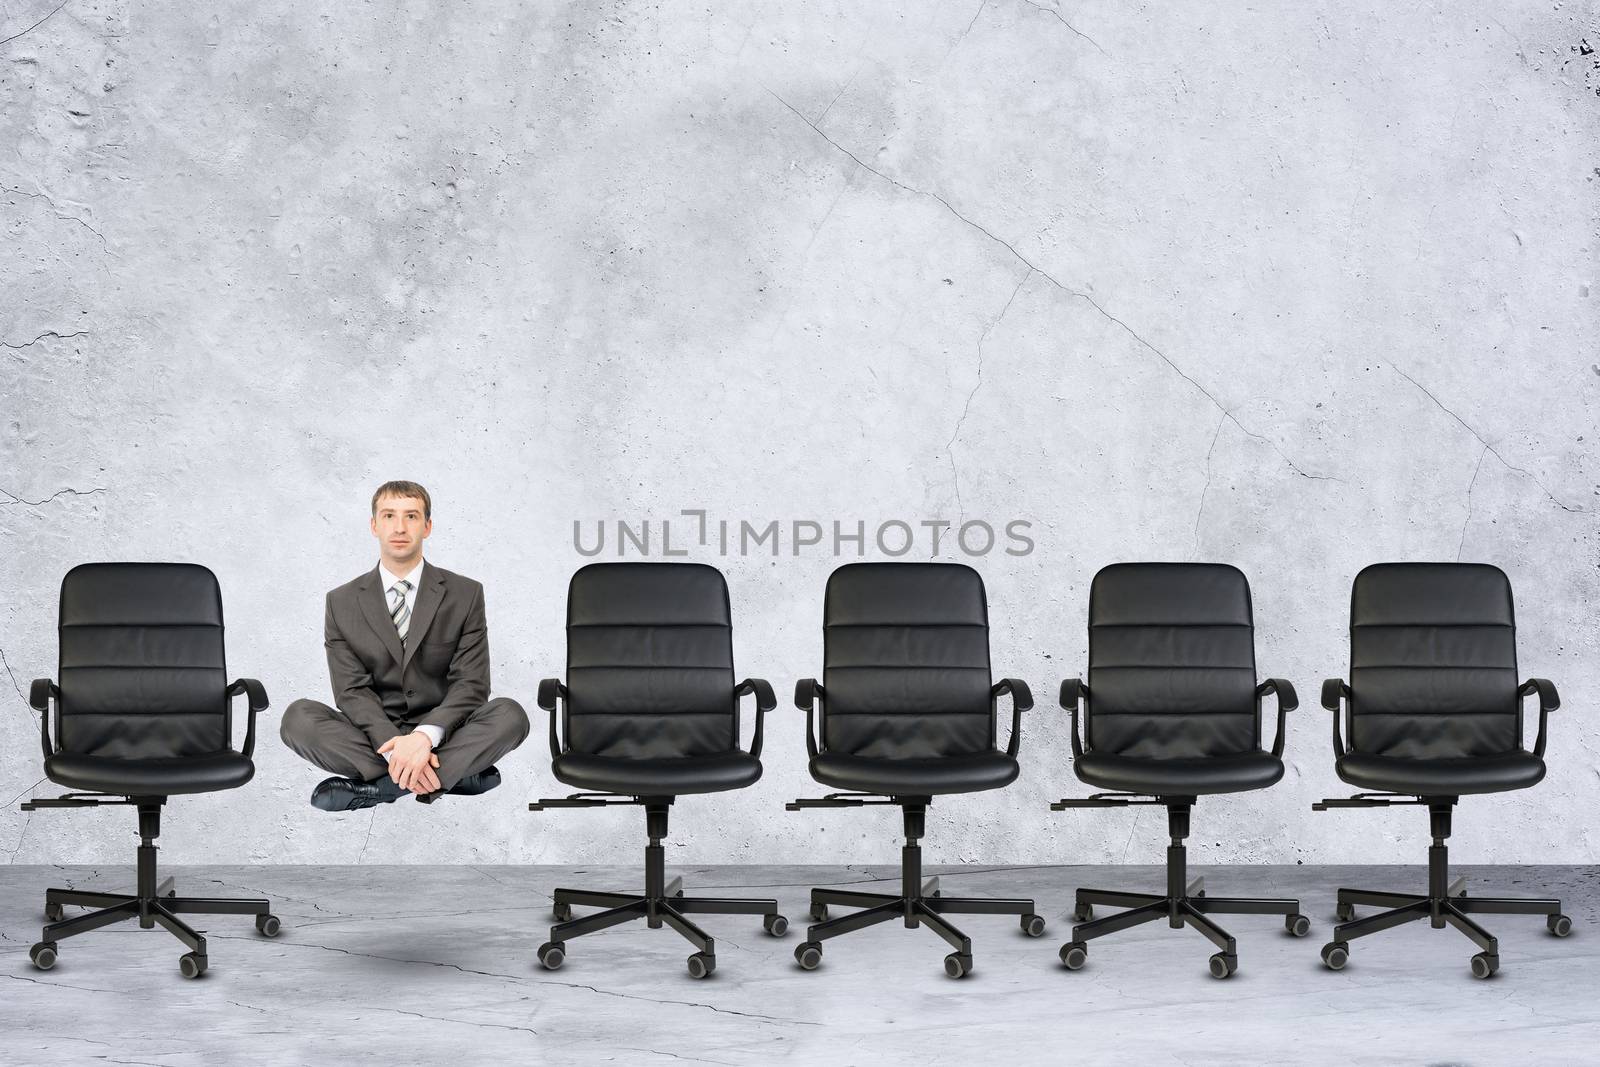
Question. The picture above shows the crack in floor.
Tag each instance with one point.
(523, 978)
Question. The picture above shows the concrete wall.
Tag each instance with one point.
(1299, 287)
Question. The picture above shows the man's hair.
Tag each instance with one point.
(404, 489)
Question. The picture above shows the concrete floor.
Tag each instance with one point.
(422, 965)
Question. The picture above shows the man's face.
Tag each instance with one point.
(400, 528)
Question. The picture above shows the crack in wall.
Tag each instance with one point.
(1061, 19)
(949, 446)
(368, 839)
(1470, 487)
(12, 675)
(22, 835)
(842, 90)
(1487, 446)
(36, 25)
(1201, 510)
(1085, 297)
(1052, 12)
(957, 44)
(56, 208)
(16, 499)
(48, 333)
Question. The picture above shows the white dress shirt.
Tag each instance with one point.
(435, 734)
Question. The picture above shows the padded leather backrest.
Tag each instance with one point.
(1433, 661)
(142, 674)
(906, 661)
(1172, 662)
(650, 661)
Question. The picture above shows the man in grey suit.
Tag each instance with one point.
(408, 653)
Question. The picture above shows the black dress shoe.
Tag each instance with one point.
(470, 786)
(351, 794)
(474, 784)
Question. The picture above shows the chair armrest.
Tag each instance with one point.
(256, 696)
(1287, 702)
(1021, 701)
(1333, 692)
(551, 691)
(39, 696)
(1549, 700)
(808, 691)
(1074, 692)
(765, 702)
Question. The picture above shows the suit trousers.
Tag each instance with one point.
(325, 737)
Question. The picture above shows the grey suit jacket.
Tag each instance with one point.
(439, 675)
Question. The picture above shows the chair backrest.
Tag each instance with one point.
(906, 661)
(1433, 661)
(650, 661)
(1172, 662)
(142, 674)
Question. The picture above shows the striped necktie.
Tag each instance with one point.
(400, 607)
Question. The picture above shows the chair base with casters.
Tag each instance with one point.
(661, 903)
(154, 901)
(919, 903)
(1446, 903)
(1183, 904)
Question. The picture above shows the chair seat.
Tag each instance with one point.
(150, 777)
(1180, 777)
(657, 777)
(1442, 777)
(915, 777)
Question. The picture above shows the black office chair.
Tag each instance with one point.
(143, 711)
(1434, 712)
(1172, 712)
(908, 713)
(650, 712)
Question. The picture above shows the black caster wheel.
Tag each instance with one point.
(54, 913)
(1484, 965)
(553, 954)
(1082, 913)
(809, 955)
(268, 925)
(1560, 925)
(43, 955)
(1223, 964)
(561, 912)
(1335, 954)
(1344, 912)
(192, 964)
(819, 913)
(776, 925)
(1074, 954)
(1033, 925)
(1297, 924)
(958, 965)
(701, 964)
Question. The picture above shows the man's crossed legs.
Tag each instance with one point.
(466, 757)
